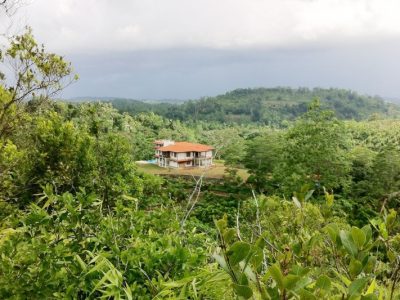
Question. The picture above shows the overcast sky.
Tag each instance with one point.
(161, 49)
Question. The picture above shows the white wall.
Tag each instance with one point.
(173, 164)
(181, 155)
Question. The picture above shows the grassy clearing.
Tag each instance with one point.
(216, 171)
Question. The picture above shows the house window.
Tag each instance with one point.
(187, 154)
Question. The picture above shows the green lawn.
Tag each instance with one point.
(216, 171)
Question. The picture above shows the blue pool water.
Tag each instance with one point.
(152, 161)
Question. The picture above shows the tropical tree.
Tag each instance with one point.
(263, 155)
(37, 74)
(315, 152)
(384, 182)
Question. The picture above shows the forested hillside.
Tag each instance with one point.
(316, 219)
(270, 106)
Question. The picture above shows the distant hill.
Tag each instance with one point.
(395, 100)
(118, 99)
(265, 105)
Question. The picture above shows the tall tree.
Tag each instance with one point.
(37, 74)
(263, 155)
(315, 152)
(385, 175)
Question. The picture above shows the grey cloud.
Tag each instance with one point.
(192, 73)
(72, 26)
(191, 48)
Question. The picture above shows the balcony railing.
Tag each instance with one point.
(181, 158)
(184, 158)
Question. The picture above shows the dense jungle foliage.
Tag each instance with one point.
(316, 219)
(270, 106)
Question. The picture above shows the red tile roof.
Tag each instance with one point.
(186, 147)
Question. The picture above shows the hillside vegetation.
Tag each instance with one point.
(270, 106)
(314, 217)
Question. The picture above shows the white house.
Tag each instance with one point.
(170, 154)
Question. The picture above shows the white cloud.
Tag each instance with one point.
(103, 25)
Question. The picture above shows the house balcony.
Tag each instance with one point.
(182, 159)
(200, 159)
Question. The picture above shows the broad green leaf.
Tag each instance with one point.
(276, 274)
(296, 248)
(243, 290)
(238, 252)
(358, 236)
(290, 281)
(323, 283)
(256, 257)
(340, 287)
(369, 264)
(243, 279)
(311, 242)
(260, 243)
(348, 243)
(355, 267)
(357, 286)
(368, 233)
(303, 282)
(299, 270)
(333, 231)
(273, 293)
(229, 234)
(306, 295)
(221, 224)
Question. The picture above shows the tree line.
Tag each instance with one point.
(268, 106)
